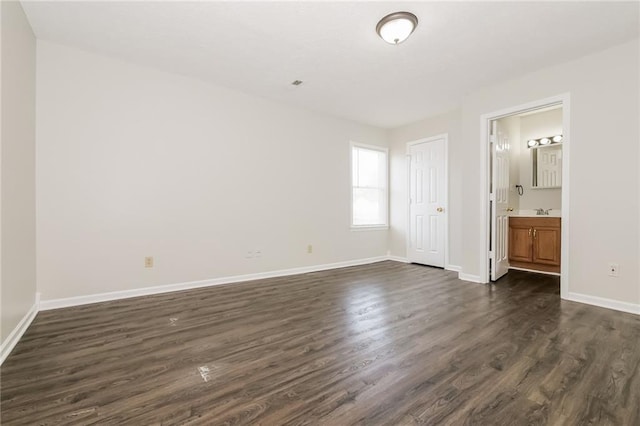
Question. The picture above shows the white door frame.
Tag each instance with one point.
(445, 137)
(485, 119)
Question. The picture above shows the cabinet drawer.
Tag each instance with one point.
(542, 221)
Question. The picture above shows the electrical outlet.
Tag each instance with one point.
(257, 253)
(309, 248)
(249, 255)
(614, 269)
(148, 262)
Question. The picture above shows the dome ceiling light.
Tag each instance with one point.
(397, 27)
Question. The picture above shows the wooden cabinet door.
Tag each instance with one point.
(546, 245)
(520, 248)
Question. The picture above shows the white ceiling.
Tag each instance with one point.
(261, 47)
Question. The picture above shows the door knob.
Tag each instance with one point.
(440, 209)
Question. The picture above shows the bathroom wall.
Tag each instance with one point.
(535, 126)
(519, 130)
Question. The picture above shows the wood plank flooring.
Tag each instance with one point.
(381, 344)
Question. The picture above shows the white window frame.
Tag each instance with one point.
(386, 188)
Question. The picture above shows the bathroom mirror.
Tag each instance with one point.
(546, 166)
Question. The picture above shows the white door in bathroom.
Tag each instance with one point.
(427, 242)
(499, 201)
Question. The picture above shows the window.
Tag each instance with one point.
(369, 187)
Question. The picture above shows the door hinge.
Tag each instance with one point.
(492, 197)
(492, 138)
(490, 254)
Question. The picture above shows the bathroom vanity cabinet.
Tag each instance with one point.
(534, 243)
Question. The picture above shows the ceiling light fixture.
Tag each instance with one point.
(397, 27)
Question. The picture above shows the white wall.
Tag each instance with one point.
(604, 108)
(18, 251)
(535, 126)
(135, 162)
(604, 213)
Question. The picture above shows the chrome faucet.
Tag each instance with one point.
(541, 212)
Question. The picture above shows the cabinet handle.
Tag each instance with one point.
(529, 232)
(534, 233)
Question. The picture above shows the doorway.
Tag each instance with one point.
(427, 243)
(498, 191)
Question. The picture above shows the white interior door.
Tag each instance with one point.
(427, 198)
(499, 198)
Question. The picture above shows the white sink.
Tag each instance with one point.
(532, 213)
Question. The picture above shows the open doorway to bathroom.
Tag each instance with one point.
(525, 200)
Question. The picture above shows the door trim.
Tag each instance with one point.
(564, 100)
(445, 138)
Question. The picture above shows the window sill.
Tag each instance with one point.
(370, 228)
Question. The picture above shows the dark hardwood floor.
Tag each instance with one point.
(382, 344)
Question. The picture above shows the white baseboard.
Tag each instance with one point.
(602, 302)
(14, 337)
(398, 259)
(470, 278)
(454, 268)
(46, 305)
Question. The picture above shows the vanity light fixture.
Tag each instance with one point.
(532, 143)
(397, 27)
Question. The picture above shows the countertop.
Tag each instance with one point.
(532, 213)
